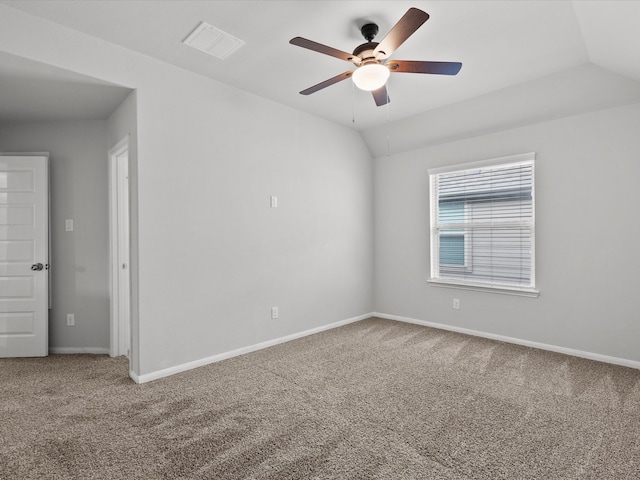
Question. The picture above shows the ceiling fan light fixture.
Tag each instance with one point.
(371, 76)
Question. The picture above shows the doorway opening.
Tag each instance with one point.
(119, 240)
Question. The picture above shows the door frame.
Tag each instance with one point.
(119, 246)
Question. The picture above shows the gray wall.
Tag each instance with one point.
(79, 259)
(212, 256)
(587, 197)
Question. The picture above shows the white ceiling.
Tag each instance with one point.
(502, 44)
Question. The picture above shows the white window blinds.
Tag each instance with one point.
(482, 224)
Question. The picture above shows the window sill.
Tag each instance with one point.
(503, 290)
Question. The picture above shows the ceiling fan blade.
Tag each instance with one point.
(402, 30)
(326, 83)
(320, 48)
(416, 66)
(381, 96)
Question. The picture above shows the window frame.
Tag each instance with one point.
(433, 279)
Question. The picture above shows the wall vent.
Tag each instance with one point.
(213, 41)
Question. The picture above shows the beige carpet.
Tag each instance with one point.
(376, 399)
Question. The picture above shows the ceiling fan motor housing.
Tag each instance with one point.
(365, 51)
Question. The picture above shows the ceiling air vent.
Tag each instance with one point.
(213, 41)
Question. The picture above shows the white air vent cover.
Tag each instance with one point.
(213, 41)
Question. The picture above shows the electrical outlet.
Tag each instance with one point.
(274, 313)
(273, 201)
(71, 320)
(456, 303)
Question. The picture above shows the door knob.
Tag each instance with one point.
(37, 267)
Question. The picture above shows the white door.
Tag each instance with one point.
(119, 225)
(24, 256)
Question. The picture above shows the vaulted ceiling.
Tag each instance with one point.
(551, 57)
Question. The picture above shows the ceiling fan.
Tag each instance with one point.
(372, 58)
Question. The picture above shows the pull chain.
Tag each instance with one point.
(353, 103)
(388, 123)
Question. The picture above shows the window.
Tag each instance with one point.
(482, 225)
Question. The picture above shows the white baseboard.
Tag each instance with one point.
(73, 350)
(148, 377)
(542, 346)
